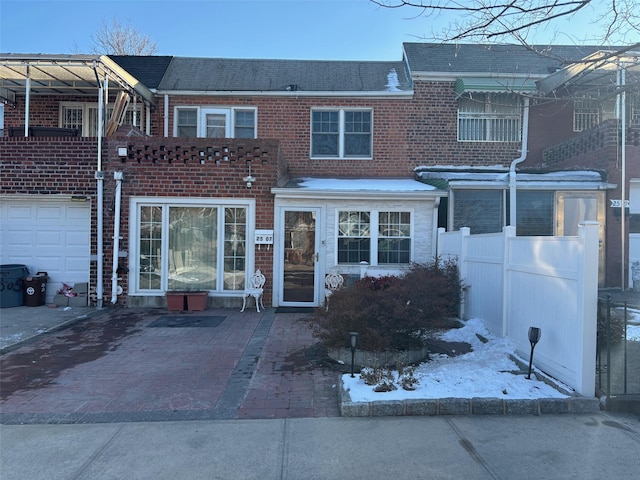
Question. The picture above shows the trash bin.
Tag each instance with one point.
(12, 284)
(35, 289)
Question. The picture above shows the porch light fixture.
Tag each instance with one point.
(534, 338)
(250, 179)
(123, 151)
(354, 344)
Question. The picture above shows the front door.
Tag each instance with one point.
(299, 262)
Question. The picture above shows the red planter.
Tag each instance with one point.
(176, 301)
(197, 301)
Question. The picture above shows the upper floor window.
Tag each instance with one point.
(213, 122)
(376, 237)
(341, 133)
(635, 109)
(586, 114)
(84, 117)
(489, 117)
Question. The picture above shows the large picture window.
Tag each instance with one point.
(341, 134)
(378, 238)
(191, 247)
(489, 117)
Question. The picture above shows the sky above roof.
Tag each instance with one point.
(283, 29)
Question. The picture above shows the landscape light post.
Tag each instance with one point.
(534, 337)
(354, 344)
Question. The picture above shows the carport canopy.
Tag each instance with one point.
(77, 75)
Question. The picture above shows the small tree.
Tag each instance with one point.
(115, 38)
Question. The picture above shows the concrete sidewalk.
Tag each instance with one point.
(584, 447)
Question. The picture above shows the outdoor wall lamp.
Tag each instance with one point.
(534, 337)
(354, 344)
(249, 178)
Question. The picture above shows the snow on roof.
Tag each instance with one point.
(360, 184)
(502, 176)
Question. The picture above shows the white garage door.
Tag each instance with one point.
(47, 235)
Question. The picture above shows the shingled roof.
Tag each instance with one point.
(251, 75)
(148, 69)
(493, 59)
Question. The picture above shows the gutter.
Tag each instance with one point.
(520, 159)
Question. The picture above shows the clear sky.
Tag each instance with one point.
(285, 29)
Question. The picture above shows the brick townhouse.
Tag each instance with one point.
(211, 168)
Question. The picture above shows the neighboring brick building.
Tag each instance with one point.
(298, 168)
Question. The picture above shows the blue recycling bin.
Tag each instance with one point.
(12, 285)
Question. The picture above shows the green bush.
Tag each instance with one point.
(389, 312)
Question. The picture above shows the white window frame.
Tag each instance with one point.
(203, 110)
(167, 202)
(91, 109)
(341, 133)
(495, 122)
(374, 237)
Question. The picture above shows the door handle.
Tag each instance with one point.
(317, 256)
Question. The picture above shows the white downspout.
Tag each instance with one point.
(27, 102)
(166, 116)
(521, 158)
(99, 176)
(118, 176)
(623, 158)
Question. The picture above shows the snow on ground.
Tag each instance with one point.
(483, 372)
(633, 325)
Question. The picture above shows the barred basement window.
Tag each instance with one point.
(635, 110)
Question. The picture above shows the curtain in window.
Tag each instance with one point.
(192, 248)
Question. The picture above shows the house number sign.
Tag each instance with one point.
(618, 203)
(264, 237)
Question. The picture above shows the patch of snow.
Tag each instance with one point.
(483, 372)
(392, 81)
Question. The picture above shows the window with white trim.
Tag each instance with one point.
(186, 246)
(84, 117)
(375, 237)
(489, 117)
(215, 122)
(586, 114)
(341, 133)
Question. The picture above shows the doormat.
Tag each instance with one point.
(295, 309)
(180, 321)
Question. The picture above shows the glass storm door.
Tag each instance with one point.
(300, 258)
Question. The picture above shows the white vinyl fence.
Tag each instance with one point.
(513, 283)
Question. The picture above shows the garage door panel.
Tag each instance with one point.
(78, 214)
(49, 238)
(47, 235)
(19, 214)
(18, 239)
(50, 214)
(77, 239)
